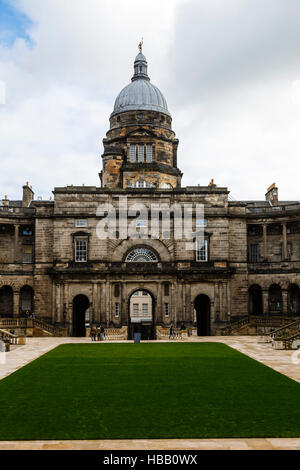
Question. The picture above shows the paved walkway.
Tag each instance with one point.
(279, 360)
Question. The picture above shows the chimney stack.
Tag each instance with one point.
(5, 203)
(28, 195)
(272, 194)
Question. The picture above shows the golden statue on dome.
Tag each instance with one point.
(141, 45)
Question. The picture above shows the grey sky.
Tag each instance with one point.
(230, 71)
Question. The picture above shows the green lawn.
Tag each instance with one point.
(119, 391)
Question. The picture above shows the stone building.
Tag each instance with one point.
(53, 263)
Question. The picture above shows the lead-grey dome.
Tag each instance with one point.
(140, 94)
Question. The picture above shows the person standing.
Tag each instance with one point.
(172, 332)
(102, 332)
(93, 334)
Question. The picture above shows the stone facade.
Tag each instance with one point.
(252, 264)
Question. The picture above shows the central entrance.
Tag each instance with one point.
(81, 305)
(141, 315)
(202, 307)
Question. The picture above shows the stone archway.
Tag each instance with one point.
(26, 299)
(81, 304)
(141, 320)
(6, 301)
(255, 306)
(202, 307)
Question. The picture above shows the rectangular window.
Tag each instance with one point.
(167, 310)
(201, 250)
(132, 153)
(27, 231)
(145, 309)
(166, 289)
(149, 153)
(141, 151)
(135, 309)
(201, 222)
(81, 223)
(81, 251)
(117, 290)
(27, 254)
(254, 253)
(117, 309)
(141, 223)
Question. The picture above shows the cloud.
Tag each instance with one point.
(229, 70)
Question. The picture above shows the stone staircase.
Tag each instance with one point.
(253, 325)
(287, 337)
(31, 327)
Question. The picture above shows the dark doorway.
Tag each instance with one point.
(80, 305)
(255, 300)
(141, 315)
(6, 302)
(202, 307)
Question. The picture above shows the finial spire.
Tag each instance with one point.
(141, 45)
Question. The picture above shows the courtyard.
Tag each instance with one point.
(191, 390)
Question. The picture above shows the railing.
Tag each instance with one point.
(234, 326)
(286, 331)
(7, 336)
(288, 342)
(116, 333)
(53, 330)
(13, 322)
(30, 323)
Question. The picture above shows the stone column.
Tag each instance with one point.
(16, 303)
(217, 302)
(173, 304)
(188, 306)
(57, 303)
(179, 294)
(94, 314)
(265, 295)
(284, 301)
(102, 303)
(225, 303)
(284, 241)
(221, 309)
(107, 302)
(123, 305)
(160, 317)
(16, 244)
(228, 302)
(265, 243)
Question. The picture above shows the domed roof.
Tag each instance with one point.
(140, 94)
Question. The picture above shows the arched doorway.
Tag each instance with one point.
(6, 302)
(26, 299)
(202, 307)
(81, 305)
(141, 314)
(294, 300)
(275, 299)
(255, 300)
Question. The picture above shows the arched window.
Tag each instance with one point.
(167, 186)
(275, 299)
(141, 255)
(143, 184)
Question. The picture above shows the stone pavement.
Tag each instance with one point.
(279, 360)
